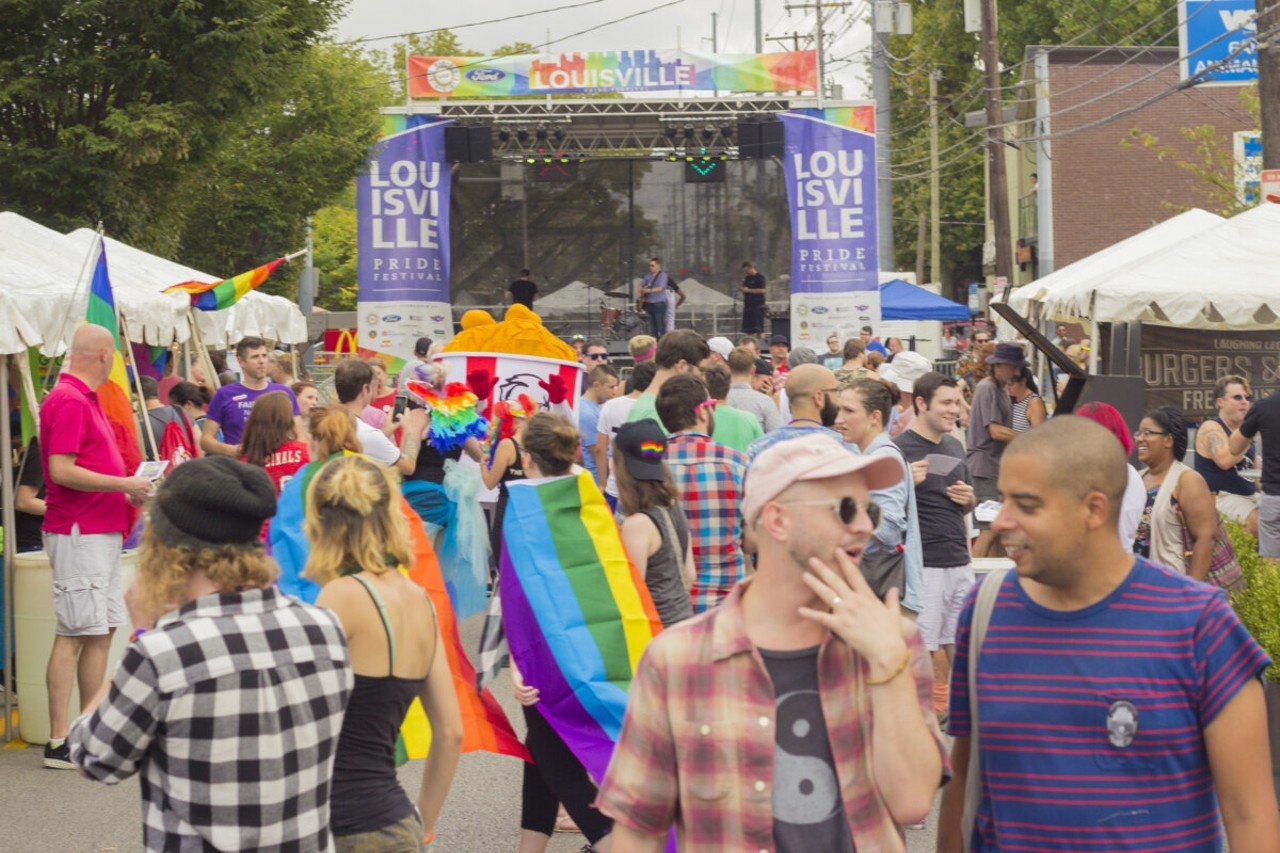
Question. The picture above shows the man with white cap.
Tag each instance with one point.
(797, 714)
(905, 369)
(720, 349)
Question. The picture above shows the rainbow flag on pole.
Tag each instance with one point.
(114, 393)
(576, 613)
(217, 295)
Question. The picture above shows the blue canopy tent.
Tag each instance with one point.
(901, 300)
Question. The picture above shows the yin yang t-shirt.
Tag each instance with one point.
(808, 813)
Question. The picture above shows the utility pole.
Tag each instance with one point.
(820, 36)
(997, 180)
(1269, 82)
(880, 92)
(935, 185)
(759, 28)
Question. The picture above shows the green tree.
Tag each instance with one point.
(293, 155)
(940, 42)
(333, 234)
(107, 107)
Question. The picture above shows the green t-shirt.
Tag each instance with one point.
(646, 406)
(735, 428)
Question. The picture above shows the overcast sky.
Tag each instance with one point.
(686, 24)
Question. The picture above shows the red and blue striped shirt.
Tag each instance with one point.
(1058, 694)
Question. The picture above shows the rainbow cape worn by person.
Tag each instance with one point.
(576, 613)
(484, 725)
(214, 296)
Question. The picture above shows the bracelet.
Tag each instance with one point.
(906, 659)
(137, 632)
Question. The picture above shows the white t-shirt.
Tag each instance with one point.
(1132, 504)
(375, 444)
(613, 414)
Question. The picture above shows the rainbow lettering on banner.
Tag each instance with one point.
(610, 71)
(576, 613)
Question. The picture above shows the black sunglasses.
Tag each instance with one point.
(598, 355)
(846, 509)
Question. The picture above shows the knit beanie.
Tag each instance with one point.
(211, 502)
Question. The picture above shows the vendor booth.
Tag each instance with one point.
(44, 290)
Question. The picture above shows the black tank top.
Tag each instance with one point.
(1228, 481)
(366, 794)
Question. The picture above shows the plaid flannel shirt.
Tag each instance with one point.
(710, 478)
(697, 743)
(231, 709)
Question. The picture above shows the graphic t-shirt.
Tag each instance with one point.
(944, 534)
(808, 813)
(232, 403)
(1096, 715)
(285, 462)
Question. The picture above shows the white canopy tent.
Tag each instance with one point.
(44, 290)
(699, 295)
(1225, 277)
(574, 296)
(1155, 240)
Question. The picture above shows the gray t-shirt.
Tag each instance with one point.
(991, 405)
(944, 535)
(808, 813)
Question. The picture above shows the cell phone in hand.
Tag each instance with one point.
(402, 401)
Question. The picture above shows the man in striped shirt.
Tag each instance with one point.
(1119, 703)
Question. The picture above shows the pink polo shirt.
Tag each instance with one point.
(72, 422)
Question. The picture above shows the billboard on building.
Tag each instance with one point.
(1221, 35)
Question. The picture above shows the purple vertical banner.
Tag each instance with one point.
(831, 190)
(402, 227)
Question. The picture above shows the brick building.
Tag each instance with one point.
(1092, 189)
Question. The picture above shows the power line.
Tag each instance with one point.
(503, 20)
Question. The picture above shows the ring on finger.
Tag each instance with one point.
(835, 601)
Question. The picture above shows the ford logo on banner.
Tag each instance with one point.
(391, 318)
(819, 309)
(485, 75)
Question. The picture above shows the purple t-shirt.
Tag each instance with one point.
(232, 403)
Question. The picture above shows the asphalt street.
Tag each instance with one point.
(57, 811)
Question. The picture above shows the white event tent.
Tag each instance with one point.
(44, 289)
(1029, 299)
(1225, 277)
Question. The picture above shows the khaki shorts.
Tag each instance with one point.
(87, 597)
(403, 836)
(1237, 508)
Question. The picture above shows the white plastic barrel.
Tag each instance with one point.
(33, 630)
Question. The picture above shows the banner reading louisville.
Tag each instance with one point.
(831, 189)
(402, 225)
(610, 71)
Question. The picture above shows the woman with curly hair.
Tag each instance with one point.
(1177, 497)
(359, 540)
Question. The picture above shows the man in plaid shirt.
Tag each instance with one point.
(797, 715)
(709, 478)
(231, 705)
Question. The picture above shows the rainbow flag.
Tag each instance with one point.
(576, 613)
(223, 294)
(484, 725)
(114, 393)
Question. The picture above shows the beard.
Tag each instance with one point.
(830, 411)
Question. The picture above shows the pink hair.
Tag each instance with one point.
(1106, 415)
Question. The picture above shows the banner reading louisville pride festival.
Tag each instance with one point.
(610, 71)
(402, 226)
(829, 158)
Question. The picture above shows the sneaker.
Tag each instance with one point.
(58, 758)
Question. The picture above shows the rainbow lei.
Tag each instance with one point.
(454, 418)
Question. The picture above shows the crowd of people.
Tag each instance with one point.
(806, 527)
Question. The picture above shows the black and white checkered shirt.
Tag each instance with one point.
(231, 708)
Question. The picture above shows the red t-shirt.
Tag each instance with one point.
(72, 423)
(285, 462)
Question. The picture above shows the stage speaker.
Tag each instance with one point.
(759, 139)
(468, 144)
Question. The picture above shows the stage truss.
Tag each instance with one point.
(615, 128)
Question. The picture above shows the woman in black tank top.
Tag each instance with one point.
(358, 540)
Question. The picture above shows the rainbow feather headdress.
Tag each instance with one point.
(454, 418)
